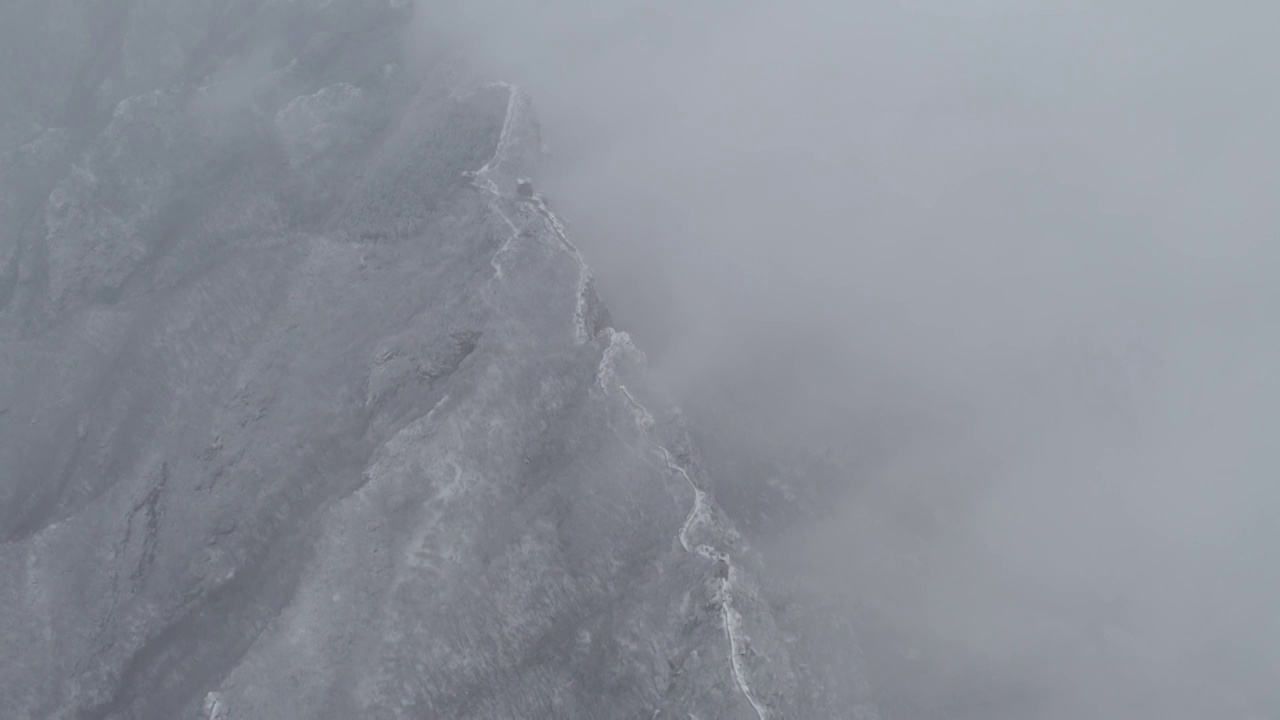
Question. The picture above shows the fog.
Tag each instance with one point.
(1037, 241)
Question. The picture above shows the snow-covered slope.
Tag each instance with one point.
(306, 413)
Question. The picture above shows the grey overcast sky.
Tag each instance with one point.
(1056, 221)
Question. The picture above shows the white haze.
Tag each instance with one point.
(1041, 237)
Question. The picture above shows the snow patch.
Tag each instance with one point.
(618, 345)
(214, 708)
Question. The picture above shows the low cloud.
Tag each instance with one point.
(1041, 240)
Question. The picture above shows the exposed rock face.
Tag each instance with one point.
(304, 415)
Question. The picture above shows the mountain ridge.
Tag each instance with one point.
(308, 414)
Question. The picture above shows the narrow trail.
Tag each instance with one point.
(730, 618)
(514, 97)
(482, 179)
(581, 331)
(700, 513)
(214, 709)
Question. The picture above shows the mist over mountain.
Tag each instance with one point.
(567, 359)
